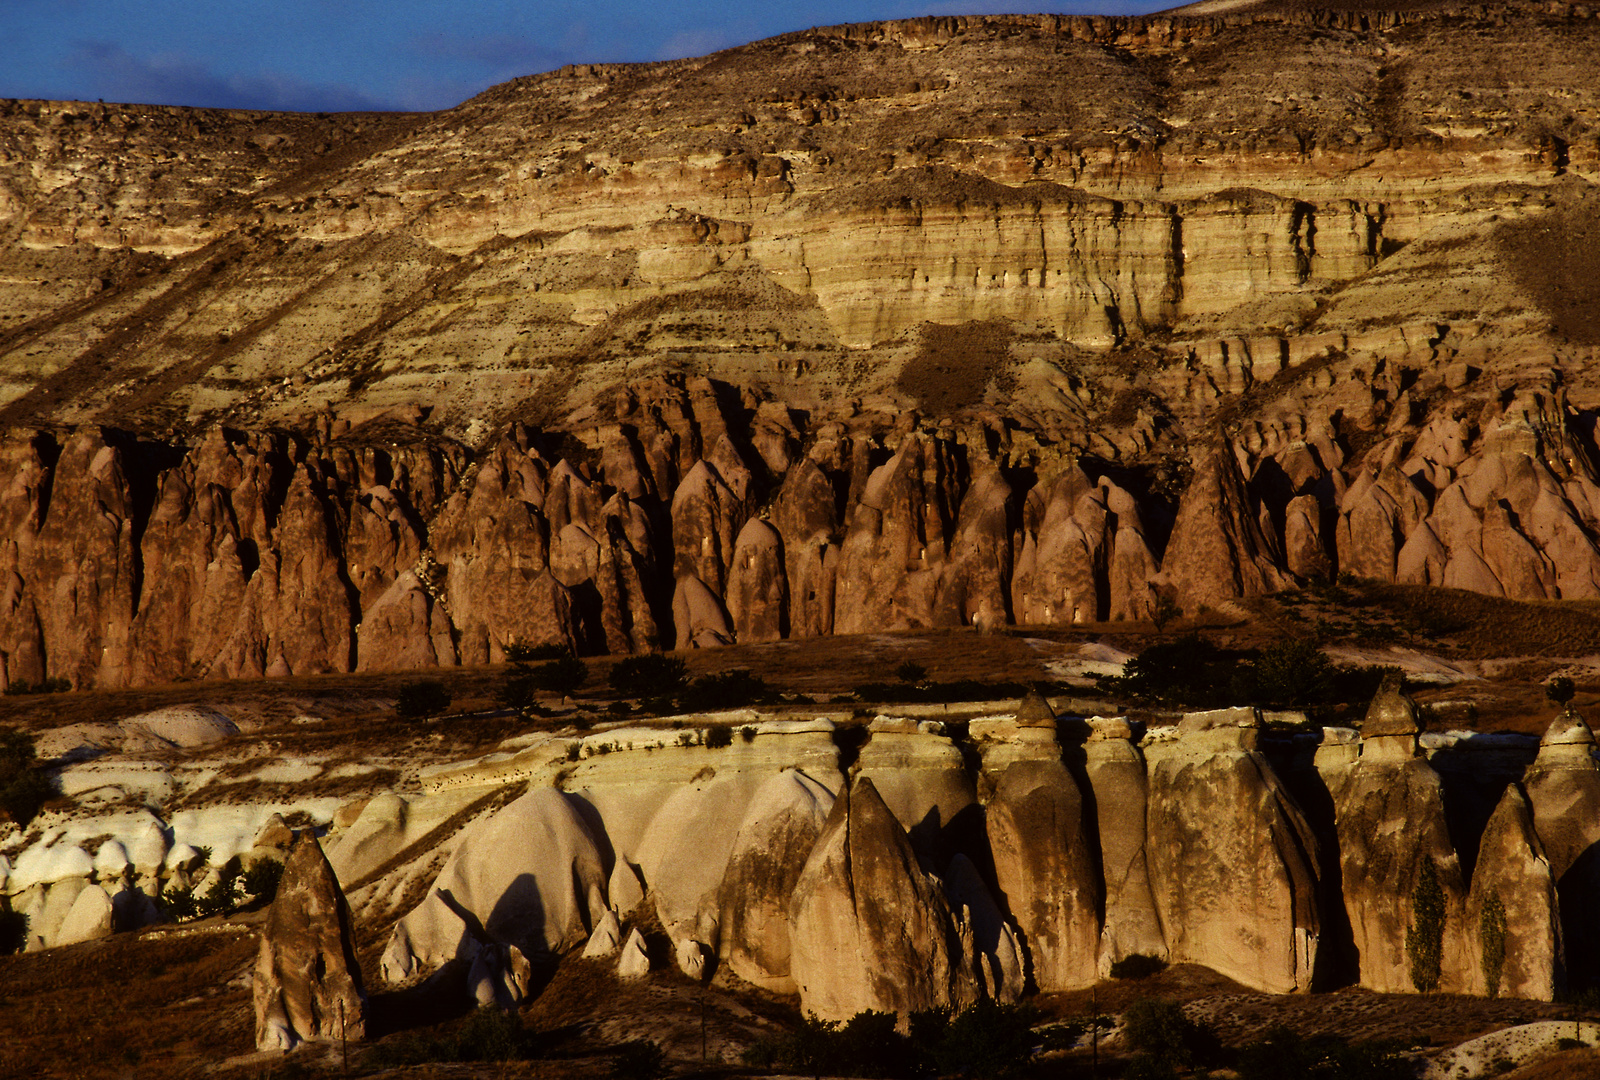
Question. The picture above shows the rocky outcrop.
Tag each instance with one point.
(1563, 790)
(1512, 914)
(530, 875)
(1232, 861)
(869, 930)
(774, 842)
(1120, 787)
(1391, 826)
(307, 980)
(1045, 866)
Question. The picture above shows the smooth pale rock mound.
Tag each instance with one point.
(1390, 819)
(780, 827)
(634, 963)
(307, 980)
(1511, 867)
(523, 877)
(1119, 782)
(691, 957)
(606, 938)
(1232, 861)
(870, 930)
(624, 889)
(90, 917)
(1563, 787)
(684, 854)
(1045, 868)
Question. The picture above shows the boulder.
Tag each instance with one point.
(89, 917)
(307, 979)
(527, 876)
(1232, 860)
(499, 976)
(634, 962)
(870, 929)
(1044, 864)
(606, 939)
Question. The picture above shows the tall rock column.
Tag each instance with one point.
(307, 980)
(1120, 786)
(1391, 823)
(1232, 860)
(1563, 787)
(1513, 922)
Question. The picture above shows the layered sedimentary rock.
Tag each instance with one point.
(822, 334)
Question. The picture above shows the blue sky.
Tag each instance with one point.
(383, 54)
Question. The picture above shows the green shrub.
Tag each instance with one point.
(748, 733)
(419, 700)
(717, 736)
(1137, 966)
(487, 1035)
(649, 676)
(1164, 1040)
(1293, 672)
(13, 931)
(43, 686)
(911, 672)
(223, 894)
(180, 903)
(987, 1040)
(1425, 935)
(1560, 690)
(562, 675)
(261, 880)
(1287, 1055)
(1492, 942)
(724, 690)
(23, 787)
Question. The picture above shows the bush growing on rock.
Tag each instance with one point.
(563, 674)
(1425, 935)
(718, 736)
(1193, 671)
(487, 1035)
(1137, 966)
(22, 687)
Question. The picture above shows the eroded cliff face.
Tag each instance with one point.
(853, 883)
(940, 322)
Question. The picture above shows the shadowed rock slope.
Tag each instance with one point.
(948, 321)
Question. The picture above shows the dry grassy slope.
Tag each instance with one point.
(758, 213)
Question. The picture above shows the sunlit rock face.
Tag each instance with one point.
(957, 321)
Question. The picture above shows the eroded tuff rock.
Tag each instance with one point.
(1563, 789)
(1390, 816)
(530, 875)
(875, 355)
(1232, 861)
(869, 929)
(1513, 870)
(1046, 871)
(307, 979)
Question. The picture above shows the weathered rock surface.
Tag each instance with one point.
(1198, 343)
(869, 929)
(1232, 861)
(1512, 870)
(1045, 866)
(307, 980)
(1563, 789)
(1120, 786)
(1390, 817)
(530, 876)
